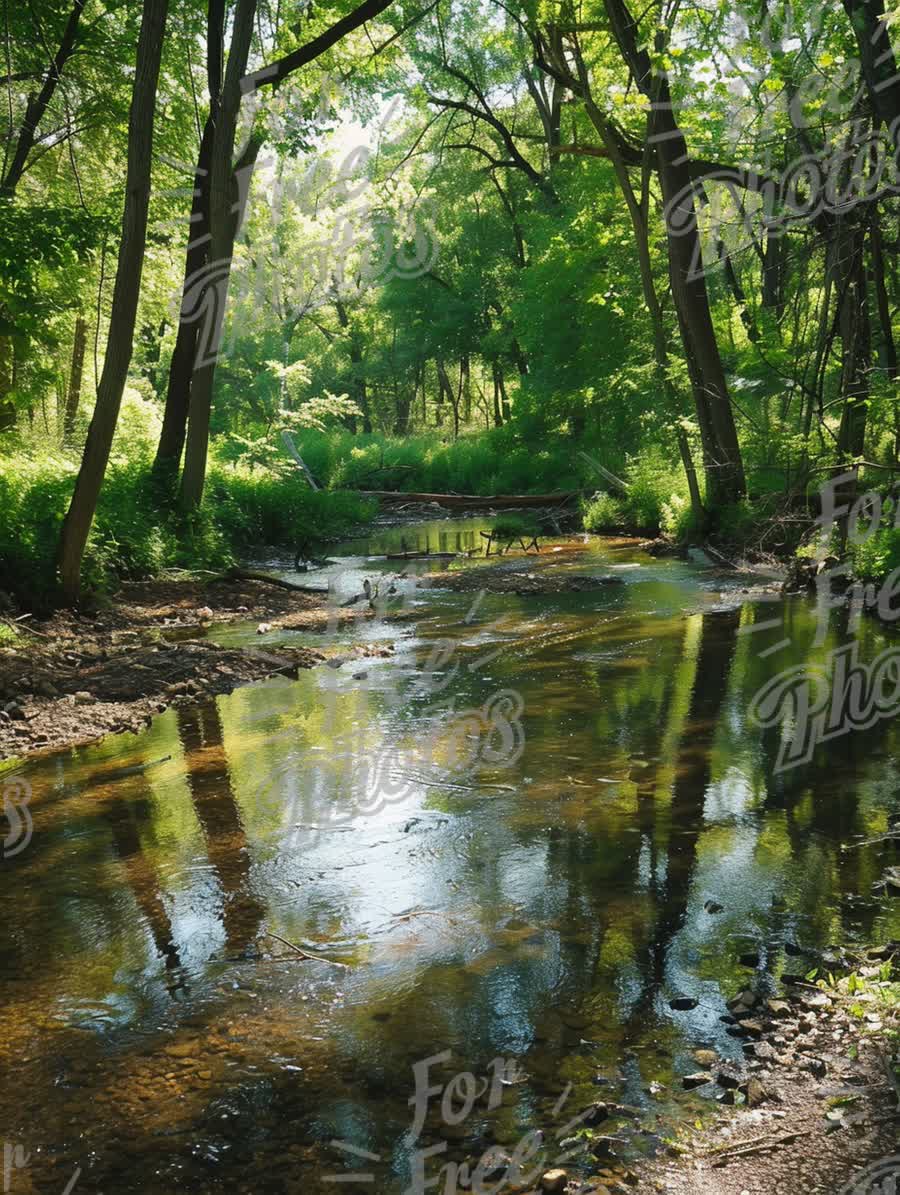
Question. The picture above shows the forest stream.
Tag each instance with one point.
(519, 837)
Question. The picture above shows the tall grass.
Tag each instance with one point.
(137, 536)
(492, 462)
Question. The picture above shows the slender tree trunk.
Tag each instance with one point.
(724, 467)
(359, 392)
(222, 227)
(77, 524)
(181, 366)
(855, 332)
(882, 303)
(466, 387)
(879, 63)
(773, 274)
(7, 369)
(638, 214)
(37, 104)
(73, 397)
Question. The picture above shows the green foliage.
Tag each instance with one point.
(656, 500)
(254, 510)
(876, 559)
(489, 463)
(134, 536)
(514, 526)
(604, 513)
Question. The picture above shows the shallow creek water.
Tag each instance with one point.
(507, 831)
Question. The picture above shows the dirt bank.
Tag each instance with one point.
(73, 678)
(813, 1109)
(823, 1091)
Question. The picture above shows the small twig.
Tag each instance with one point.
(741, 1151)
(426, 783)
(20, 626)
(314, 958)
(889, 837)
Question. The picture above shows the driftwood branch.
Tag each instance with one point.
(314, 958)
(248, 574)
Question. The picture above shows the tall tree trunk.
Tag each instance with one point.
(77, 524)
(855, 333)
(222, 226)
(466, 387)
(37, 104)
(359, 392)
(638, 212)
(222, 230)
(722, 455)
(73, 397)
(181, 366)
(497, 377)
(879, 63)
(882, 303)
(772, 297)
(7, 374)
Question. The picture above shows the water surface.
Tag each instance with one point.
(537, 896)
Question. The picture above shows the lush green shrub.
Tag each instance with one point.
(135, 535)
(513, 526)
(262, 508)
(604, 513)
(878, 557)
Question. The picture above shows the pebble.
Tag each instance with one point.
(554, 1181)
(683, 1004)
(707, 1058)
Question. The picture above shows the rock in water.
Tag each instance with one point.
(553, 1181)
(689, 1082)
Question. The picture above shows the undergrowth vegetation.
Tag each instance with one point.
(491, 462)
(135, 536)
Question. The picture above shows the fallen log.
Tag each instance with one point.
(422, 555)
(473, 502)
(246, 574)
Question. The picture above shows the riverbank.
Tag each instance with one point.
(819, 1092)
(813, 1108)
(71, 678)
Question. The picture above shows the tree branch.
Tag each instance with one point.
(277, 72)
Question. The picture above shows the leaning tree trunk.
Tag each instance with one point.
(181, 366)
(73, 396)
(77, 524)
(37, 104)
(222, 230)
(722, 454)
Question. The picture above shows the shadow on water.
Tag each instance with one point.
(544, 906)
